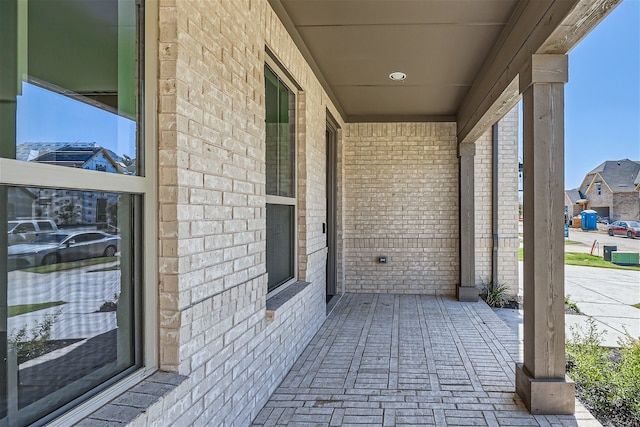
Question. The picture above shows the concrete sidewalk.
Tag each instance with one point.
(606, 295)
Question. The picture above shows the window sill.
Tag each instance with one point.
(281, 298)
(135, 401)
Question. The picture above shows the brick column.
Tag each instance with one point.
(541, 380)
(467, 290)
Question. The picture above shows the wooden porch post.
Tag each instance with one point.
(541, 380)
(467, 290)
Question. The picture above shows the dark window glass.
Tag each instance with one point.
(280, 180)
(45, 226)
(280, 244)
(69, 324)
(280, 144)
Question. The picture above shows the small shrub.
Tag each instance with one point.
(109, 305)
(608, 381)
(494, 295)
(571, 306)
(33, 344)
(589, 365)
(627, 380)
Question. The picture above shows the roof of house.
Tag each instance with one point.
(68, 156)
(620, 175)
(74, 155)
(574, 195)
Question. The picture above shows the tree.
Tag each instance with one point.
(70, 213)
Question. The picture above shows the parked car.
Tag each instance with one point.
(630, 229)
(58, 247)
(25, 230)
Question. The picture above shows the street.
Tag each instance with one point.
(585, 241)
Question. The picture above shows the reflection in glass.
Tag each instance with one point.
(280, 137)
(76, 103)
(69, 318)
(280, 244)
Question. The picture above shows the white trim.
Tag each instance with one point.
(280, 200)
(18, 172)
(151, 327)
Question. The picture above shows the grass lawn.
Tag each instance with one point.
(15, 310)
(69, 265)
(637, 305)
(586, 260)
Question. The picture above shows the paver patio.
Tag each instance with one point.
(407, 360)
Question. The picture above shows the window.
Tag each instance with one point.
(71, 85)
(280, 180)
(45, 225)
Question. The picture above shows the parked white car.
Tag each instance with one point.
(62, 247)
(26, 230)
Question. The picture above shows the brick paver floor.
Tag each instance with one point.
(407, 360)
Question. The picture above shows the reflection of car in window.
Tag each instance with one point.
(62, 247)
(21, 231)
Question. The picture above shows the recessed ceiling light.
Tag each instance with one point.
(397, 76)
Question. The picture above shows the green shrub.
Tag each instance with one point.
(627, 380)
(31, 345)
(572, 306)
(608, 380)
(589, 365)
(494, 295)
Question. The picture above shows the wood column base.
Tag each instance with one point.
(468, 293)
(545, 396)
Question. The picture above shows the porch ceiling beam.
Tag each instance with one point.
(536, 26)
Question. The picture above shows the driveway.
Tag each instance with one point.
(603, 294)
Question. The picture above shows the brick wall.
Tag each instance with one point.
(483, 188)
(500, 266)
(397, 196)
(401, 201)
(506, 269)
(213, 324)
(626, 206)
(600, 202)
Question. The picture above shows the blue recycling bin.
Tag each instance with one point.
(589, 220)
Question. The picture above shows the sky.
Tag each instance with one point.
(41, 113)
(602, 97)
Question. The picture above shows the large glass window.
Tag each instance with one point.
(69, 298)
(280, 182)
(70, 238)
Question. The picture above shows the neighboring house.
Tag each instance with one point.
(69, 207)
(573, 202)
(86, 155)
(21, 203)
(91, 157)
(613, 190)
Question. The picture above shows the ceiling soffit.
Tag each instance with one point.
(353, 45)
